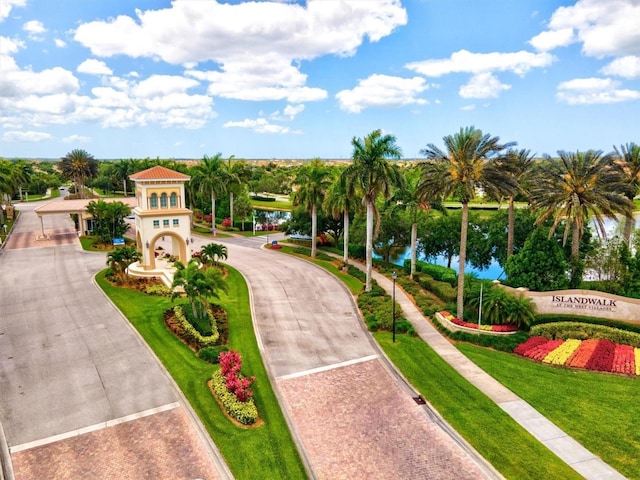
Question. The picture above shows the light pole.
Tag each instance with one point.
(393, 307)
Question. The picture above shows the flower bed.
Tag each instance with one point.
(506, 328)
(593, 354)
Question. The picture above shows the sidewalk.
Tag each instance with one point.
(566, 448)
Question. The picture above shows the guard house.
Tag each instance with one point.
(161, 212)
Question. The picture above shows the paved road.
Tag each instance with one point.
(351, 415)
(71, 366)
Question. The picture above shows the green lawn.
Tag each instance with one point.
(598, 410)
(267, 451)
(491, 431)
(271, 206)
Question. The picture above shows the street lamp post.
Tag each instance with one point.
(393, 307)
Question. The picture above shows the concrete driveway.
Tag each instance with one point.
(71, 366)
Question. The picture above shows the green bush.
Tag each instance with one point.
(357, 273)
(159, 290)
(244, 412)
(357, 251)
(194, 336)
(437, 272)
(211, 354)
(441, 290)
(584, 331)
(551, 318)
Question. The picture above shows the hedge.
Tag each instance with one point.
(584, 331)
(194, 335)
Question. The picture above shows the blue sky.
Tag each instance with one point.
(294, 79)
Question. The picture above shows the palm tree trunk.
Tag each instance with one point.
(414, 241)
(510, 227)
(629, 224)
(345, 238)
(314, 231)
(463, 259)
(213, 213)
(369, 246)
(231, 207)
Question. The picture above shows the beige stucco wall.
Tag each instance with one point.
(584, 302)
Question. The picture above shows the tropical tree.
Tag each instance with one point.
(520, 163)
(211, 252)
(199, 285)
(369, 176)
(78, 166)
(313, 181)
(119, 260)
(237, 174)
(576, 188)
(627, 159)
(108, 219)
(242, 206)
(211, 178)
(472, 161)
(337, 203)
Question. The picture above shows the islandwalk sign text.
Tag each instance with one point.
(582, 302)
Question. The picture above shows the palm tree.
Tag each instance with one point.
(211, 177)
(337, 203)
(471, 161)
(198, 285)
(120, 259)
(627, 159)
(575, 188)
(78, 165)
(238, 174)
(369, 176)
(211, 252)
(519, 163)
(313, 181)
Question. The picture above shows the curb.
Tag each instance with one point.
(6, 472)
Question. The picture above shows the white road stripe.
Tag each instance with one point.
(327, 367)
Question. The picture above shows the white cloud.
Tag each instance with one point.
(256, 46)
(382, 91)
(59, 42)
(290, 112)
(9, 46)
(587, 91)
(28, 136)
(605, 28)
(92, 66)
(483, 85)
(7, 5)
(464, 61)
(76, 139)
(548, 40)
(259, 125)
(158, 85)
(468, 108)
(626, 67)
(34, 29)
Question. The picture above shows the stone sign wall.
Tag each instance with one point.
(584, 302)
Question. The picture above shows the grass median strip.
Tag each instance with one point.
(267, 451)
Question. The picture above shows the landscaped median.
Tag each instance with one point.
(454, 323)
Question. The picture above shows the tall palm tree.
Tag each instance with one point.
(520, 163)
(238, 174)
(210, 176)
(313, 181)
(337, 203)
(472, 161)
(369, 176)
(627, 159)
(575, 188)
(78, 165)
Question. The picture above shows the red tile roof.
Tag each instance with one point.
(159, 173)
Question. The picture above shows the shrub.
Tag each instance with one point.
(230, 366)
(193, 336)
(211, 354)
(159, 290)
(584, 331)
(357, 251)
(437, 272)
(441, 289)
(244, 412)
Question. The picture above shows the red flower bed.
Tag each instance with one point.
(582, 354)
(602, 358)
(532, 342)
(624, 360)
(541, 351)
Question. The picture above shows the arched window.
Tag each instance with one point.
(173, 200)
(154, 200)
(163, 200)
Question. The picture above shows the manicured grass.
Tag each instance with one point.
(271, 206)
(493, 433)
(598, 410)
(267, 451)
